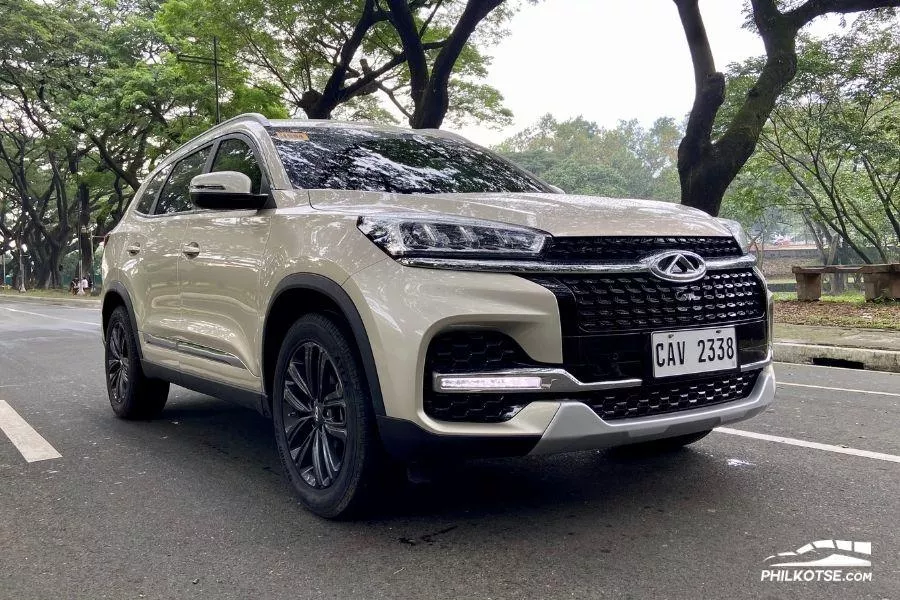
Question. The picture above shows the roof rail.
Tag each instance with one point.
(258, 118)
(262, 120)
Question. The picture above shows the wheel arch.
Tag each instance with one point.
(117, 295)
(303, 293)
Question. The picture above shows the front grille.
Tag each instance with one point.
(476, 408)
(634, 248)
(619, 356)
(591, 304)
(627, 355)
(663, 398)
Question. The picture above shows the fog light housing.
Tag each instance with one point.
(497, 383)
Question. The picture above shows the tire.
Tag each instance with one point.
(325, 426)
(664, 445)
(132, 394)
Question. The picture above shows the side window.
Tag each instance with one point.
(236, 155)
(145, 203)
(175, 196)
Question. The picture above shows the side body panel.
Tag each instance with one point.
(220, 297)
(149, 270)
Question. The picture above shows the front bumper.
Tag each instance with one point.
(572, 426)
(576, 427)
(405, 309)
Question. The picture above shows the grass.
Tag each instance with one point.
(846, 310)
(851, 297)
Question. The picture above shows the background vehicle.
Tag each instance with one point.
(381, 292)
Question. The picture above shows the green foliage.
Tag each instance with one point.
(296, 49)
(828, 156)
(93, 93)
(91, 96)
(581, 157)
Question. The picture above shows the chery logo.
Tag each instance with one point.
(680, 267)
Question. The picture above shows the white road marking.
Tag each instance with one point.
(836, 389)
(805, 444)
(25, 312)
(27, 441)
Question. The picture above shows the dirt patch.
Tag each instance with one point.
(839, 314)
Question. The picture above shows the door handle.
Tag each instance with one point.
(134, 249)
(191, 250)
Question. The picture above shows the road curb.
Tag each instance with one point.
(871, 359)
(85, 303)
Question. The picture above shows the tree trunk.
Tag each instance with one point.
(704, 182)
(706, 167)
(85, 243)
(52, 267)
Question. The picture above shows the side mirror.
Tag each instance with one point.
(225, 190)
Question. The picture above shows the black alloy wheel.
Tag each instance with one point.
(315, 415)
(132, 395)
(324, 421)
(117, 363)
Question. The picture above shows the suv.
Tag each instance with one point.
(388, 296)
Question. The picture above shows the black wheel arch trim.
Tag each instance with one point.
(337, 294)
(120, 289)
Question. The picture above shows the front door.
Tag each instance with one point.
(219, 271)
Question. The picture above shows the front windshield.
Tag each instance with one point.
(343, 158)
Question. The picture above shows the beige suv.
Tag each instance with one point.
(389, 296)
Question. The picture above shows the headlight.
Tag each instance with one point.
(737, 230)
(405, 237)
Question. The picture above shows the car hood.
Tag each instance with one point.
(557, 214)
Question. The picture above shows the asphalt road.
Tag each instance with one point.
(194, 504)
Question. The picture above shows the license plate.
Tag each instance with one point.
(693, 351)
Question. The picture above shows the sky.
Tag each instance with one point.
(606, 60)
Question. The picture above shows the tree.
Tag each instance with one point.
(364, 58)
(90, 97)
(582, 157)
(707, 166)
(832, 141)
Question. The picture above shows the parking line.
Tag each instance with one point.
(836, 389)
(805, 444)
(27, 441)
(25, 312)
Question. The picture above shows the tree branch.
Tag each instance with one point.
(401, 17)
(811, 9)
(430, 111)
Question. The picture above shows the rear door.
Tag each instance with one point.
(156, 254)
(219, 271)
(148, 266)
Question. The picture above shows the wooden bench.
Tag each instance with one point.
(881, 281)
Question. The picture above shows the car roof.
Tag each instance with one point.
(332, 123)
